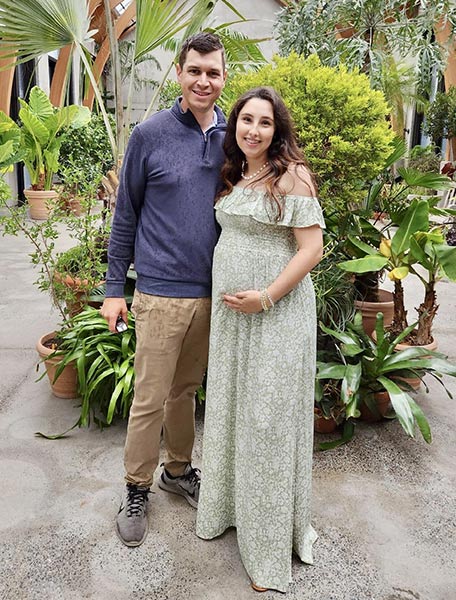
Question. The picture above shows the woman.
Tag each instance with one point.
(257, 451)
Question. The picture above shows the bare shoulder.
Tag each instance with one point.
(298, 181)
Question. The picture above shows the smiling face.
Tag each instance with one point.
(255, 129)
(202, 78)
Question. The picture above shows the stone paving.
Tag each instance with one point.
(384, 505)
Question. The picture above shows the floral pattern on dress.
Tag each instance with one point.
(258, 433)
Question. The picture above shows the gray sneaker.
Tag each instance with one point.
(132, 523)
(187, 485)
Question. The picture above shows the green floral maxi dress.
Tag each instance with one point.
(258, 432)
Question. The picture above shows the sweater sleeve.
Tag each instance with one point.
(130, 199)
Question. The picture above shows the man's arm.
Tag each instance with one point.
(122, 239)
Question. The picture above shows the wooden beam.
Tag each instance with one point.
(445, 37)
(6, 82)
(60, 77)
(121, 24)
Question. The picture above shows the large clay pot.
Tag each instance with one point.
(369, 310)
(66, 385)
(382, 401)
(415, 382)
(39, 203)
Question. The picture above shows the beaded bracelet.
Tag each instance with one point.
(269, 298)
(264, 299)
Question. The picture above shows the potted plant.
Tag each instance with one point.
(425, 159)
(10, 143)
(329, 410)
(415, 243)
(440, 120)
(80, 269)
(367, 368)
(104, 363)
(64, 384)
(42, 130)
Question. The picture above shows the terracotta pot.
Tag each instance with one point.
(382, 401)
(74, 205)
(79, 287)
(415, 382)
(39, 202)
(66, 386)
(431, 346)
(322, 425)
(369, 310)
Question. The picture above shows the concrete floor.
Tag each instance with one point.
(383, 505)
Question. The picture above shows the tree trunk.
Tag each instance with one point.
(426, 313)
(400, 314)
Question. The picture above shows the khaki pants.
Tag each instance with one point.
(171, 358)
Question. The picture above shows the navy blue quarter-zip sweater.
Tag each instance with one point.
(164, 218)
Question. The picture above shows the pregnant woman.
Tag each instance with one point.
(257, 451)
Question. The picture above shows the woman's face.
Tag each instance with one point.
(255, 129)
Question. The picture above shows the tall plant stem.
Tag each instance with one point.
(130, 96)
(400, 314)
(426, 313)
(117, 80)
(157, 92)
(104, 113)
(42, 256)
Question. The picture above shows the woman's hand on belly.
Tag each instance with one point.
(248, 302)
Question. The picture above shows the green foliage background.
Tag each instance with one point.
(341, 123)
(88, 147)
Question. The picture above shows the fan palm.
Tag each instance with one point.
(30, 28)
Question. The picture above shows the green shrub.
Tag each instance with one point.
(87, 147)
(340, 122)
(168, 94)
(5, 192)
(425, 159)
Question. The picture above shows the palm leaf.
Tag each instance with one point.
(242, 53)
(29, 28)
(431, 181)
(158, 21)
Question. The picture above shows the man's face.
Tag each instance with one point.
(202, 78)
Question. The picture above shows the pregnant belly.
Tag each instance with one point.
(238, 269)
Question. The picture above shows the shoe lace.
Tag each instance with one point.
(136, 499)
(192, 476)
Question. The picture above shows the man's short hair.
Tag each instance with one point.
(203, 43)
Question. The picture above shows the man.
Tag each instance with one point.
(164, 219)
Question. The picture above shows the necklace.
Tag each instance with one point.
(248, 177)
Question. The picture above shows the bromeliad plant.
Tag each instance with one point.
(364, 367)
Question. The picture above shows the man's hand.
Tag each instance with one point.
(245, 302)
(111, 309)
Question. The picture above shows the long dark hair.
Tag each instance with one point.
(282, 152)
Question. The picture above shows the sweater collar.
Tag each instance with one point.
(188, 118)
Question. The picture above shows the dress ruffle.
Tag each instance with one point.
(298, 211)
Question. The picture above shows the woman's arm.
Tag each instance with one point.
(298, 181)
(309, 254)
